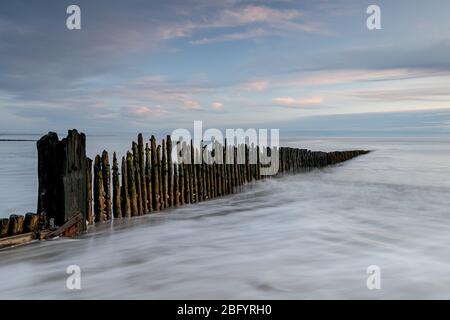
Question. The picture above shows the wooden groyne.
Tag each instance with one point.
(75, 192)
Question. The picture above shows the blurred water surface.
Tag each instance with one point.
(306, 236)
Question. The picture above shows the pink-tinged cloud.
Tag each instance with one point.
(143, 112)
(292, 102)
(216, 105)
(360, 75)
(257, 85)
(256, 14)
(191, 105)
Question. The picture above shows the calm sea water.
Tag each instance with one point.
(306, 236)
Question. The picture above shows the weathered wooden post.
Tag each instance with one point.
(137, 178)
(181, 183)
(62, 174)
(31, 222)
(132, 185)
(176, 195)
(142, 171)
(164, 175)
(99, 200)
(148, 177)
(89, 217)
(160, 179)
(155, 174)
(4, 227)
(169, 171)
(15, 225)
(126, 209)
(117, 210)
(106, 175)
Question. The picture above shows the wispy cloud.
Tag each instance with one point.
(216, 105)
(143, 112)
(298, 102)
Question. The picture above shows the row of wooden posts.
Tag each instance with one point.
(147, 179)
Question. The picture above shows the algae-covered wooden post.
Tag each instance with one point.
(148, 178)
(176, 194)
(15, 225)
(142, 177)
(4, 227)
(155, 174)
(89, 218)
(181, 183)
(106, 174)
(62, 170)
(160, 177)
(126, 209)
(99, 200)
(117, 210)
(137, 178)
(169, 171)
(132, 185)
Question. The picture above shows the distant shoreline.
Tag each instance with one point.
(17, 140)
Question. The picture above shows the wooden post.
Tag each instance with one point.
(106, 175)
(62, 176)
(148, 178)
(187, 188)
(160, 178)
(15, 225)
(142, 170)
(89, 198)
(126, 209)
(170, 201)
(224, 169)
(155, 174)
(99, 200)
(181, 184)
(176, 194)
(117, 210)
(31, 222)
(4, 227)
(132, 185)
(164, 175)
(137, 178)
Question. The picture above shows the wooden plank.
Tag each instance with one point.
(17, 240)
(66, 226)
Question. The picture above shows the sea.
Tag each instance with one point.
(313, 235)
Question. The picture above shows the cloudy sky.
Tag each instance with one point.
(153, 64)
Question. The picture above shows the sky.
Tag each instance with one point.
(143, 65)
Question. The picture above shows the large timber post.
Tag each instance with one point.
(63, 172)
